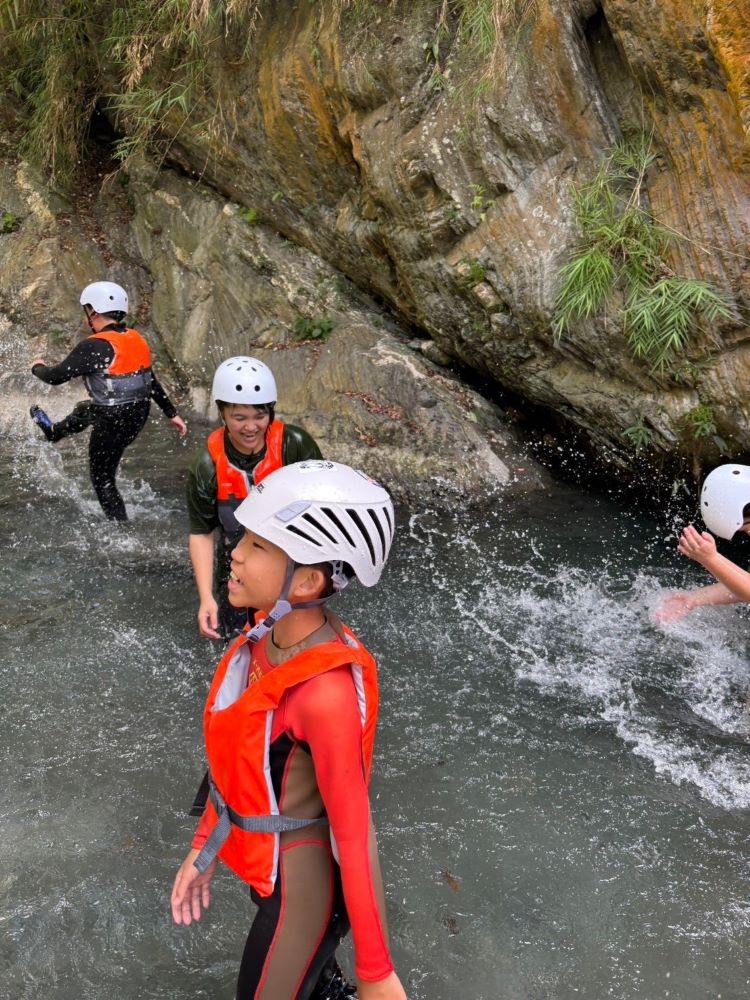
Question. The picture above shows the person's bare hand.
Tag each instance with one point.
(208, 618)
(672, 607)
(191, 893)
(180, 424)
(698, 546)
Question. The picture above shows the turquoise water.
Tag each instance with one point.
(561, 790)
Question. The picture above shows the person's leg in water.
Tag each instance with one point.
(81, 417)
(114, 428)
(289, 954)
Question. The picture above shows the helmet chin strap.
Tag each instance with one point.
(283, 606)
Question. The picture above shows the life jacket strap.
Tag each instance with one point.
(227, 818)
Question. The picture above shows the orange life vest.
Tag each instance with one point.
(128, 377)
(238, 739)
(232, 484)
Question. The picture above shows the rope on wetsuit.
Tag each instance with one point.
(227, 817)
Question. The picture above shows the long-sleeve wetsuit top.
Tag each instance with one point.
(203, 513)
(317, 768)
(94, 355)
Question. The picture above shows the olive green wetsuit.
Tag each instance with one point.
(203, 515)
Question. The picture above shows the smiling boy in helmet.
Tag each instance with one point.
(289, 725)
(725, 508)
(115, 364)
(250, 443)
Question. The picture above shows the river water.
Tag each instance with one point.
(562, 790)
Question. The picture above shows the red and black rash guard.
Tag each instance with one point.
(316, 766)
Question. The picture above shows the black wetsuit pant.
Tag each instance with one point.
(113, 428)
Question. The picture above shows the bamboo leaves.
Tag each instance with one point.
(623, 252)
(159, 49)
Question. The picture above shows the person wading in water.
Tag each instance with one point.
(250, 443)
(115, 365)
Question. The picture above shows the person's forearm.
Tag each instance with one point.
(50, 375)
(201, 549)
(87, 357)
(161, 399)
(714, 593)
(733, 582)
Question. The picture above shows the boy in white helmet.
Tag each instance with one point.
(115, 364)
(725, 508)
(289, 726)
(250, 443)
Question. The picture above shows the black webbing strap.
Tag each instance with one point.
(201, 798)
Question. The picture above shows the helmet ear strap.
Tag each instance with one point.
(283, 606)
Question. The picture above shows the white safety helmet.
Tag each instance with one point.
(244, 380)
(318, 511)
(105, 297)
(725, 494)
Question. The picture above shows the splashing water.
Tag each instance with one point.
(561, 786)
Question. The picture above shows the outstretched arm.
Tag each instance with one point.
(679, 603)
(701, 548)
(87, 357)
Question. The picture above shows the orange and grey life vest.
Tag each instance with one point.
(232, 484)
(237, 724)
(128, 378)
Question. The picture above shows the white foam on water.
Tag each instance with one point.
(588, 635)
(715, 676)
(721, 778)
(52, 473)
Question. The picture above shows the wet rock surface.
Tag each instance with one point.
(374, 173)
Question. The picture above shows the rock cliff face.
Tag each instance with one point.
(443, 186)
(369, 165)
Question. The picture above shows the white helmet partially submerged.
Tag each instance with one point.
(105, 297)
(725, 494)
(318, 511)
(244, 380)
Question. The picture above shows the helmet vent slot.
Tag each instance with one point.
(303, 534)
(363, 531)
(316, 524)
(379, 528)
(390, 522)
(337, 521)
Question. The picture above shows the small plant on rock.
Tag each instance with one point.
(313, 328)
(639, 435)
(250, 215)
(480, 202)
(700, 420)
(472, 272)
